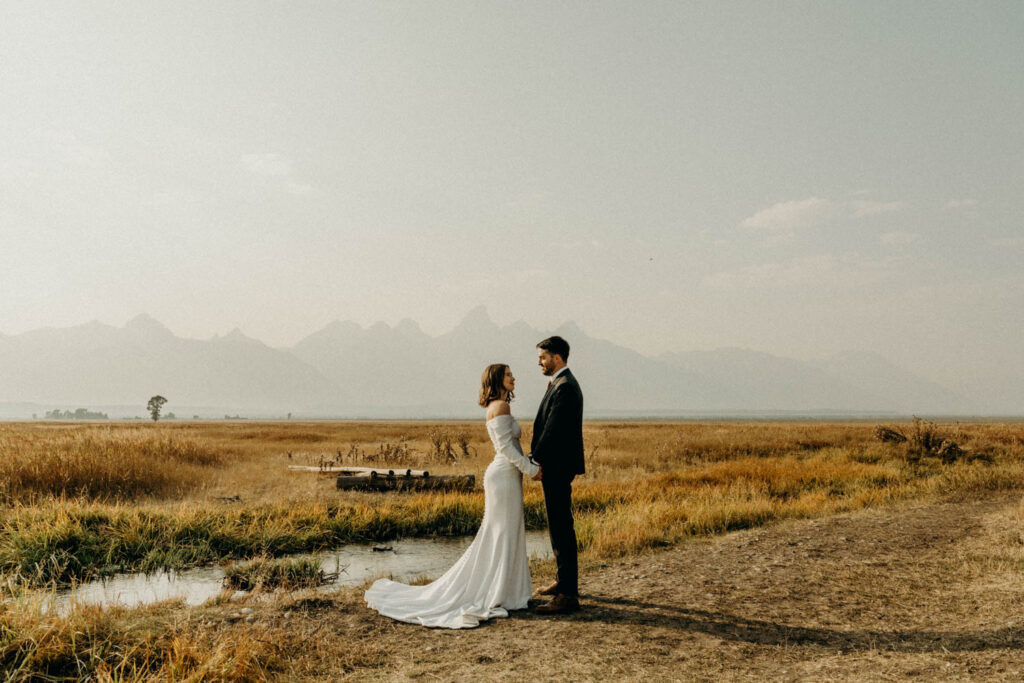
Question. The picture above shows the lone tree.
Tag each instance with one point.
(154, 406)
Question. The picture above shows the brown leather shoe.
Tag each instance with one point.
(560, 604)
(550, 590)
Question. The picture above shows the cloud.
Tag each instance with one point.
(816, 271)
(864, 207)
(800, 213)
(898, 238)
(269, 164)
(961, 204)
(782, 219)
(1008, 242)
(275, 166)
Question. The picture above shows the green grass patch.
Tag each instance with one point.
(269, 573)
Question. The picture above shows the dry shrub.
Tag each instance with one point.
(102, 464)
(394, 452)
(889, 435)
(926, 440)
(441, 440)
(399, 453)
(113, 644)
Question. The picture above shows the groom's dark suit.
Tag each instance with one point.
(557, 446)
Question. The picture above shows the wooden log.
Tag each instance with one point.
(448, 482)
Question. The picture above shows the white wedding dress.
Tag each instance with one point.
(493, 575)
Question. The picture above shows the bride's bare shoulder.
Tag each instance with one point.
(496, 408)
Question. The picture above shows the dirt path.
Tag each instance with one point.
(926, 592)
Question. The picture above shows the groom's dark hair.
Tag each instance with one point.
(555, 345)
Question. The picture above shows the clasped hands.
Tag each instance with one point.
(540, 473)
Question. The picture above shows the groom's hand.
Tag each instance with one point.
(540, 473)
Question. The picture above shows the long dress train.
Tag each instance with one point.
(493, 575)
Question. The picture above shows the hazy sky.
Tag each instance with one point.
(793, 177)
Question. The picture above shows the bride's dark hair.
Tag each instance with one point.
(492, 384)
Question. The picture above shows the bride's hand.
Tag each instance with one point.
(540, 473)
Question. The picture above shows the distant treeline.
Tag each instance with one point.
(80, 414)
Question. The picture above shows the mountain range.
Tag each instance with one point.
(345, 370)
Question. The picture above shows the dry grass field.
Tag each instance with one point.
(709, 550)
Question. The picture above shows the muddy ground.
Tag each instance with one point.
(928, 592)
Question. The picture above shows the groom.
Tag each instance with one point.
(557, 446)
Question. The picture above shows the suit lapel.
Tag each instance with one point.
(538, 422)
(543, 403)
(558, 381)
(555, 383)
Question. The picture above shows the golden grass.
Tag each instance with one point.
(79, 498)
(101, 463)
(648, 484)
(117, 644)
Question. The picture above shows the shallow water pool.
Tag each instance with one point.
(409, 559)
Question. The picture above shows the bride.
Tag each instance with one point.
(493, 575)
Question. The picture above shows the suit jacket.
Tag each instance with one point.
(557, 443)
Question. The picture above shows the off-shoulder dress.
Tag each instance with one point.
(493, 575)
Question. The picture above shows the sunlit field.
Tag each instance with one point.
(78, 500)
